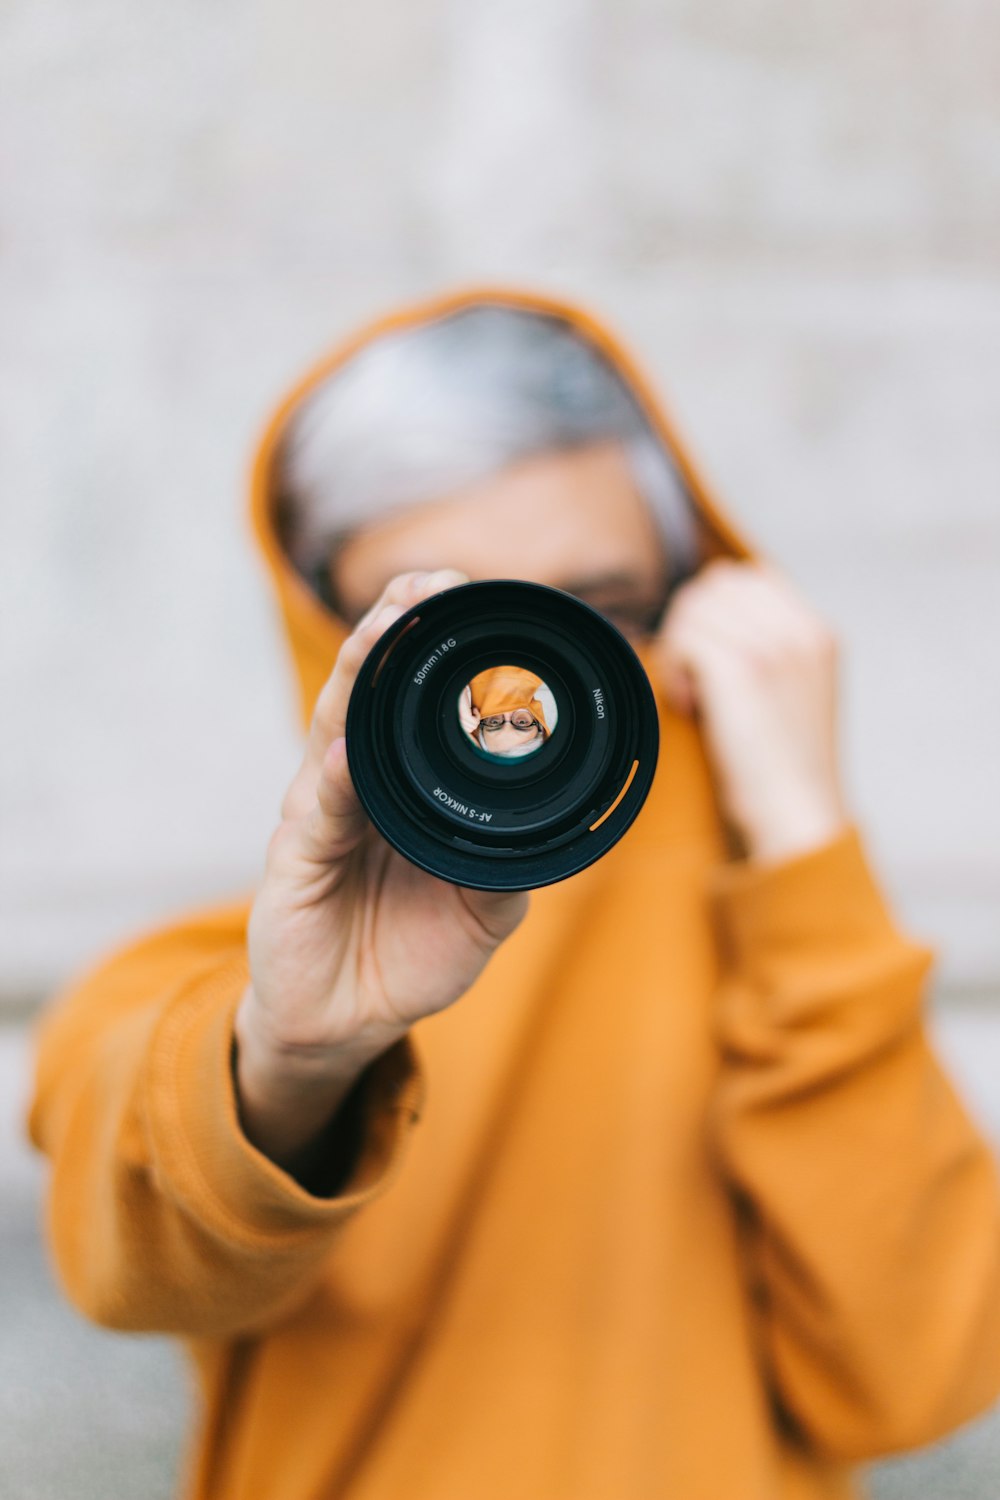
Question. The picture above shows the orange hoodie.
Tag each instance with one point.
(675, 1204)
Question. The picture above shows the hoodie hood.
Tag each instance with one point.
(315, 633)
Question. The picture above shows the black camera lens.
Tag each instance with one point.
(502, 735)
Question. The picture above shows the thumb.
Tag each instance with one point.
(496, 912)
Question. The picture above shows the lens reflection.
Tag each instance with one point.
(507, 711)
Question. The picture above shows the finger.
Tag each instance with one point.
(678, 686)
(400, 594)
(336, 822)
(764, 601)
(330, 714)
(740, 604)
(692, 658)
(407, 588)
(704, 609)
(810, 627)
(497, 913)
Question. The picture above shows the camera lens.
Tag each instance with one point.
(502, 735)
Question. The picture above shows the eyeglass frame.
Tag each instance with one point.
(492, 722)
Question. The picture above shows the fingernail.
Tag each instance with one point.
(419, 579)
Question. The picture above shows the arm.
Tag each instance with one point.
(869, 1204)
(161, 1214)
(190, 1088)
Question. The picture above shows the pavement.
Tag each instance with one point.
(101, 1416)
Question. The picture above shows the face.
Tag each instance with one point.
(571, 519)
(514, 731)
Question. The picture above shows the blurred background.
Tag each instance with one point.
(790, 210)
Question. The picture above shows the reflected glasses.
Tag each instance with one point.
(519, 718)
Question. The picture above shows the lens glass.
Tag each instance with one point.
(507, 712)
(502, 735)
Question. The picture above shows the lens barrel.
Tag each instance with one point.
(502, 735)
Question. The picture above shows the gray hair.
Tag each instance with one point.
(425, 411)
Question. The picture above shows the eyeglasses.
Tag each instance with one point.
(519, 719)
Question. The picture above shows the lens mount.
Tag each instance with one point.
(502, 735)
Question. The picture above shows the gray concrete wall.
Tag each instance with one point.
(792, 209)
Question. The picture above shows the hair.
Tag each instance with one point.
(425, 411)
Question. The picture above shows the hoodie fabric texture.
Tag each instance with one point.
(675, 1204)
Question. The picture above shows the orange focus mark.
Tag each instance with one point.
(628, 783)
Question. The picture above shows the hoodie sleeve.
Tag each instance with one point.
(161, 1215)
(868, 1203)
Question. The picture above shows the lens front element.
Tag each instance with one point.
(507, 711)
(502, 735)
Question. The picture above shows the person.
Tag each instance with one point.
(648, 1183)
(506, 711)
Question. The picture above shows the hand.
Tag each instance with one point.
(741, 649)
(468, 713)
(349, 943)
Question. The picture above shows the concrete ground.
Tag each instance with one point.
(101, 1416)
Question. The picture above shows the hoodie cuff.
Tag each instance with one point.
(813, 932)
(198, 1145)
(824, 892)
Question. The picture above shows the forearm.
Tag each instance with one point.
(163, 1215)
(873, 1205)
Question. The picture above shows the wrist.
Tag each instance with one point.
(286, 1094)
(290, 1052)
(795, 827)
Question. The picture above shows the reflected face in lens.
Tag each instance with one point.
(506, 734)
(507, 711)
(571, 519)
